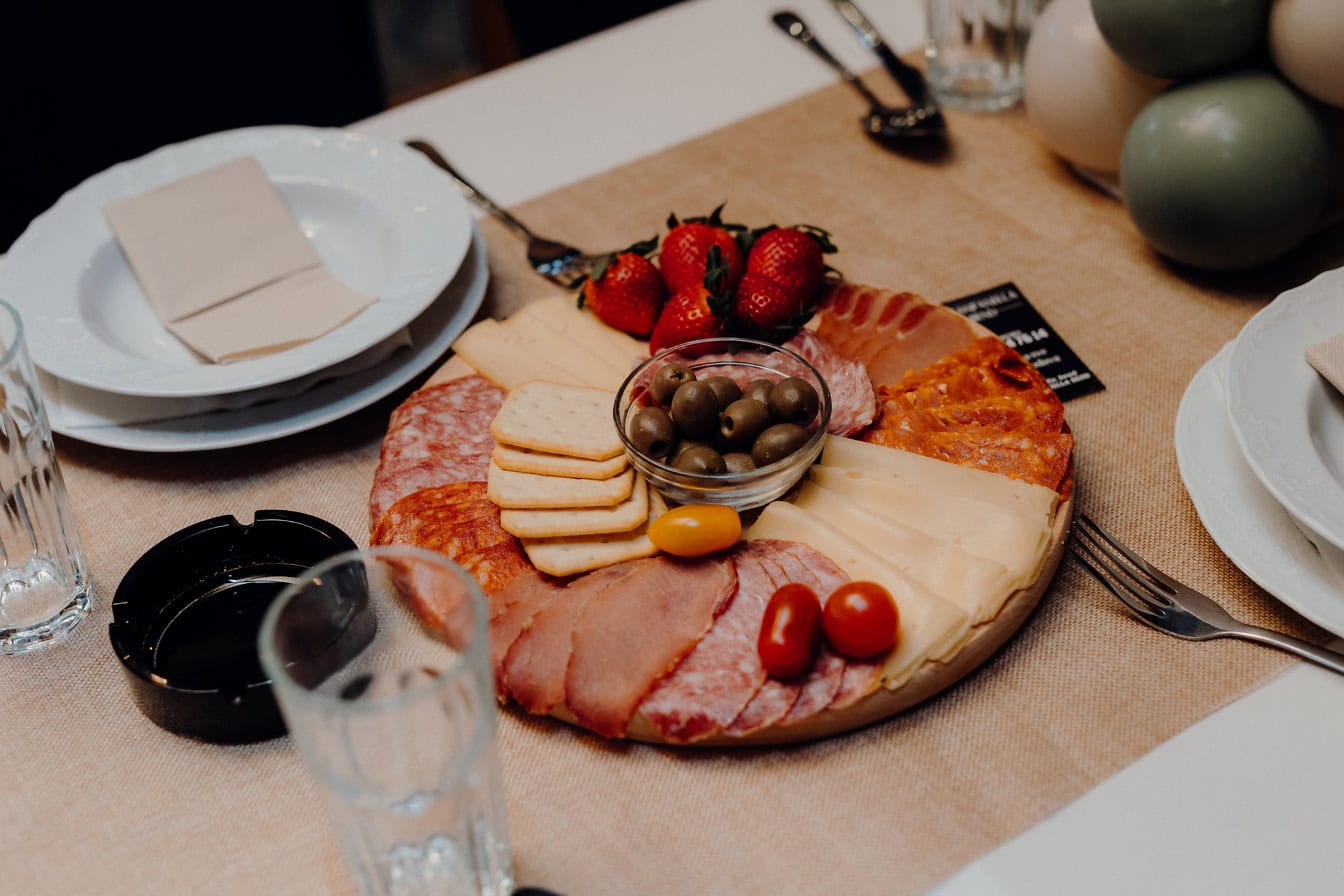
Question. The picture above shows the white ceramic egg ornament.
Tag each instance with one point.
(1080, 97)
(1306, 41)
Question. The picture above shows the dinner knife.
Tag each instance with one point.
(910, 78)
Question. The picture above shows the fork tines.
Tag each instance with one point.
(1136, 582)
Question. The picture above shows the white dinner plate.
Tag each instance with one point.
(431, 333)
(1288, 419)
(383, 219)
(1241, 516)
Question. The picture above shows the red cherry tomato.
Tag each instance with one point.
(861, 620)
(790, 631)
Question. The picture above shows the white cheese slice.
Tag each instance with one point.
(561, 315)
(488, 347)
(536, 337)
(1015, 538)
(931, 628)
(908, 468)
(977, 585)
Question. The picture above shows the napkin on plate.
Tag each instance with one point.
(1327, 357)
(225, 266)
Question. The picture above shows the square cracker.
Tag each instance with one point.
(508, 488)
(522, 460)
(559, 419)
(570, 556)
(622, 517)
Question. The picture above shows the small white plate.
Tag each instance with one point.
(432, 333)
(1244, 520)
(384, 220)
(1288, 420)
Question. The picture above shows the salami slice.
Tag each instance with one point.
(819, 685)
(777, 696)
(618, 656)
(720, 676)
(853, 400)
(457, 520)
(438, 436)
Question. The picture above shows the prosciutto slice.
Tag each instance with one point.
(724, 671)
(890, 332)
(629, 637)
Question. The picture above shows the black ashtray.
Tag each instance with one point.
(186, 615)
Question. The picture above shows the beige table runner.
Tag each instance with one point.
(98, 800)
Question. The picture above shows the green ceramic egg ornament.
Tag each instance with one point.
(1226, 172)
(1180, 38)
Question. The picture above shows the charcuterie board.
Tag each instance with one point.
(949, 483)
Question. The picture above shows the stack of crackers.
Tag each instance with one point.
(562, 481)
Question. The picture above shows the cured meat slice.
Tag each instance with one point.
(533, 669)
(777, 696)
(524, 597)
(724, 671)
(630, 636)
(889, 332)
(853, 400)
(825, 678)
(457, 520)
(439, 435)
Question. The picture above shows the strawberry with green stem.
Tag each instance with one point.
(625, 290)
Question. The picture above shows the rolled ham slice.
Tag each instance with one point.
(632, 635)
(890, 332)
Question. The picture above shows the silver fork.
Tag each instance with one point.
(1170, 606)
(560, 263)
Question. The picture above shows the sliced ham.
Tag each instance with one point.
(890, 332)
(533, 670)
(517, 603)
(724, 671)
(630, 636)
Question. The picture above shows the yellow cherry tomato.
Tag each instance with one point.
(693, 530)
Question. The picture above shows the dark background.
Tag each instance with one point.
(85, 86)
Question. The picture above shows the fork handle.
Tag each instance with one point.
(432, 153)
(1321, 656)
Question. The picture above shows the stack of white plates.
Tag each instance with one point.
(382, 218)
(1260, 444)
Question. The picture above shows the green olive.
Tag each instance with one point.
(742, 421)
(725, 389)
(759, 390)
(666, 381)
(700, 459)
(651, 432)
(778, 442)
(695, 410)
(738, 462)
(794, 401)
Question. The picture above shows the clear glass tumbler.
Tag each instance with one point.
(974, 52)
(44, 586)
(395, 720)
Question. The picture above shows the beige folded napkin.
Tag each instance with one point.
(225, 266)
(1327, 357)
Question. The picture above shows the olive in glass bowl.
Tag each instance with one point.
(723, 420)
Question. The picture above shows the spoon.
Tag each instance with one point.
(883, 123)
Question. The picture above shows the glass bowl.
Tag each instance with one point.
(743, 360)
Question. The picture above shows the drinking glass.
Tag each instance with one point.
(396, 720)
(974, 51)
(44, 585)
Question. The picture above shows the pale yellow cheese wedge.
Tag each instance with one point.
(908, 468)
(570, 556)
(560, 523)
(1016, 539)
(522, 460)
(559, 419)
(535, 337)
(561, 315)
(977, 585)
(508, 488)
(931, 628)
(486, 346)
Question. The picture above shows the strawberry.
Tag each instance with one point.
(792, 257)
(695, 311)
(685, 254)
(765, 309)
(625, 290)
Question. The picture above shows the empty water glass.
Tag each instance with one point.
(44, 585)
(974, 51)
